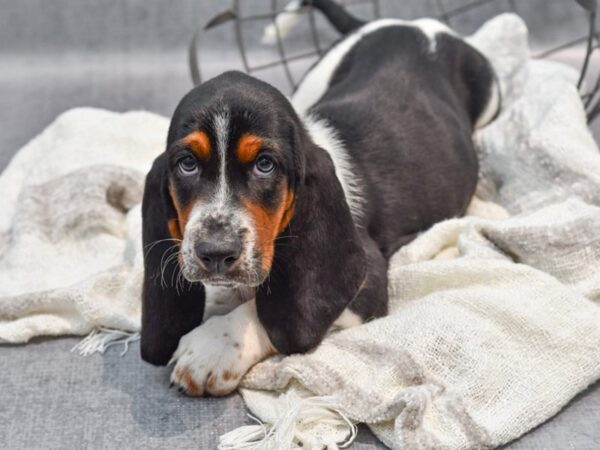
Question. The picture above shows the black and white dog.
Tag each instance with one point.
(291, 210)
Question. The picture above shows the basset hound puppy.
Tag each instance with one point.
(281, 215)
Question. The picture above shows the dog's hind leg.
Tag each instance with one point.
(371, 300)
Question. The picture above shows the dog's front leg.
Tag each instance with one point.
(213, 357)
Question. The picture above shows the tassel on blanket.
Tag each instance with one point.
(101, 339)
(298, 414)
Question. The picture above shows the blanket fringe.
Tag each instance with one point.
(102, 338)
(285, 432)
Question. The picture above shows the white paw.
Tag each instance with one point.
(212, 358)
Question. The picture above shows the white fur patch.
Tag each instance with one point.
(221, 124)
(212, 358)
(326, 137)
(316, 82)
(221, 300)
(431, 28)
(347, 319)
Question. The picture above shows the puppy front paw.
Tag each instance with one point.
(212, 358)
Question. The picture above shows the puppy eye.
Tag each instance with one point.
(264, 166)
(187, 165)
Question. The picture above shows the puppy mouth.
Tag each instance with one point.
(232, 283)
(235, 279)
(222, 282)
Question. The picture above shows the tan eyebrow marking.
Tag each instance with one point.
(199, 143)
(248, 147)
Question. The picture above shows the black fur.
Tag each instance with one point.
(406, 117)
(319, 269)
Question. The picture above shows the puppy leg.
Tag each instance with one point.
(213, 357)
(372, 299)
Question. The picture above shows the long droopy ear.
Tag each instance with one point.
(171, 306)
(319, 264)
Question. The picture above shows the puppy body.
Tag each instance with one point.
(395, 105)
(376, 149)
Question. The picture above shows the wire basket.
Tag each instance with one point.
(446, 10)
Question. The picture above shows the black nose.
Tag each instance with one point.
(219, 256)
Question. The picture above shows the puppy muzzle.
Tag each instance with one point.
(218, 249)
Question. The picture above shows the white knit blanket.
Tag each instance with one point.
(481, 344)
(70, 228)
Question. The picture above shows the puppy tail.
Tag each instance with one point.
(290, 16)
(337, 15)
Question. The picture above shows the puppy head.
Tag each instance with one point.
(232, 165)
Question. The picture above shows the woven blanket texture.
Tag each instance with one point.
(494, 320)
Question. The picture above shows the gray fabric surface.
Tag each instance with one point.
(54, 399)
(125, 55)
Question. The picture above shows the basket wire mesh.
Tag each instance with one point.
(588, 84)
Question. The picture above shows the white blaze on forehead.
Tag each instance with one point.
(220, 122)
(221, 127)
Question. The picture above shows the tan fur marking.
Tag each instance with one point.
(248, 147)
(183, 212)
(269, 224)
(288, 210)
(199, 143)
(190, 385)
(174, 230)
